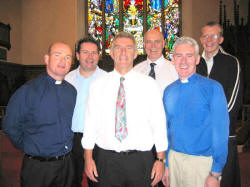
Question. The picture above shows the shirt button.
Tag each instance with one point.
(66, 147)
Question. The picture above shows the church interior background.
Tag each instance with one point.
(27, 27)
(104, 18)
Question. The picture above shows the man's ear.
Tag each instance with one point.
(198, 59)
(46, 59)
(77, 56)
(136, 53)
(172, 59)
(221, 40)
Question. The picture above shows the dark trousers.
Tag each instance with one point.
(77, 155)
(38, 173)
(123, 170)
(231, 171)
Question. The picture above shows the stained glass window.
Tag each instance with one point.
(107, 17)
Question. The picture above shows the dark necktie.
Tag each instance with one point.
(152, 71)
(121, 130)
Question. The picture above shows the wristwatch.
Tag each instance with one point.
(217, 177)
(161, 160)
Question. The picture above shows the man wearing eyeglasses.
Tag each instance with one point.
(224, 68)
(87, 53)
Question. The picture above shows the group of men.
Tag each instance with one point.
(134, 126)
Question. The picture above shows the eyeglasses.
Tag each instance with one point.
(85, 52)
(214, 36)
(119, 48)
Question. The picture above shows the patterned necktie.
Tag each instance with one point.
(121, 131)
(152, 71)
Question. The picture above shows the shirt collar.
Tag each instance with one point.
(190, 79)
(79, 76)
(157, 62)
(204, 56)
(52, 80)
(127, 75)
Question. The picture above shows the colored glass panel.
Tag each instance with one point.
(133, 21)
(95, 19)
(171, 13)
(111, 21)
(133, 13)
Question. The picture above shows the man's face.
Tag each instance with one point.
(88, 56)
(211, 39)
(58, 61)
(153, 44)
(123, 53)
(185, 60)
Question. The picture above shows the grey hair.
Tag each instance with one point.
(123, 34)
(212, 24)
(188, 41)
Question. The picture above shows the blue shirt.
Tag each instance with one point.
(197, 119)
(82, 86)
(39, 115)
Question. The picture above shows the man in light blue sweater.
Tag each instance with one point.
(197, 123)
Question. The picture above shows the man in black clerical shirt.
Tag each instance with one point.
(38, 122)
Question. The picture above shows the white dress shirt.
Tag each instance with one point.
(145, 115)
(209, 62)
(165, 72)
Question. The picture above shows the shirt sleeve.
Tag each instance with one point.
(164, 102)
(90, 121)
(158, 120)
(220, 129)
(12, 123)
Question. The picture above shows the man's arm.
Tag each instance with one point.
(220, 128)
(234, 88)
(90, 167)
(12, 123)
(165, 178)
(158, 124)
(158, 168)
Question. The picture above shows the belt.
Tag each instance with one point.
(78, 133)
(48, 159)
(127, 152)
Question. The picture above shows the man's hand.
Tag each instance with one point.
(165, 178)
(212, 182)
(90, 167)
(157, 172)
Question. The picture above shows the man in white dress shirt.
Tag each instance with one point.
(126, 161)
(165, 72)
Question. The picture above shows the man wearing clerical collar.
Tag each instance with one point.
(197, 123)
(38, 121)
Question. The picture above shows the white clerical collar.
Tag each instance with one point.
(184, 80)
(58, 82)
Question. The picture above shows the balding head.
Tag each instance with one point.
(58, 60)
(153, 44)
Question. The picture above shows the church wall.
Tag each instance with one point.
(45, 22)
(11, 13)
(195, 14)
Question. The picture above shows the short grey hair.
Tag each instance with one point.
(188, 41)
(123, 34)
